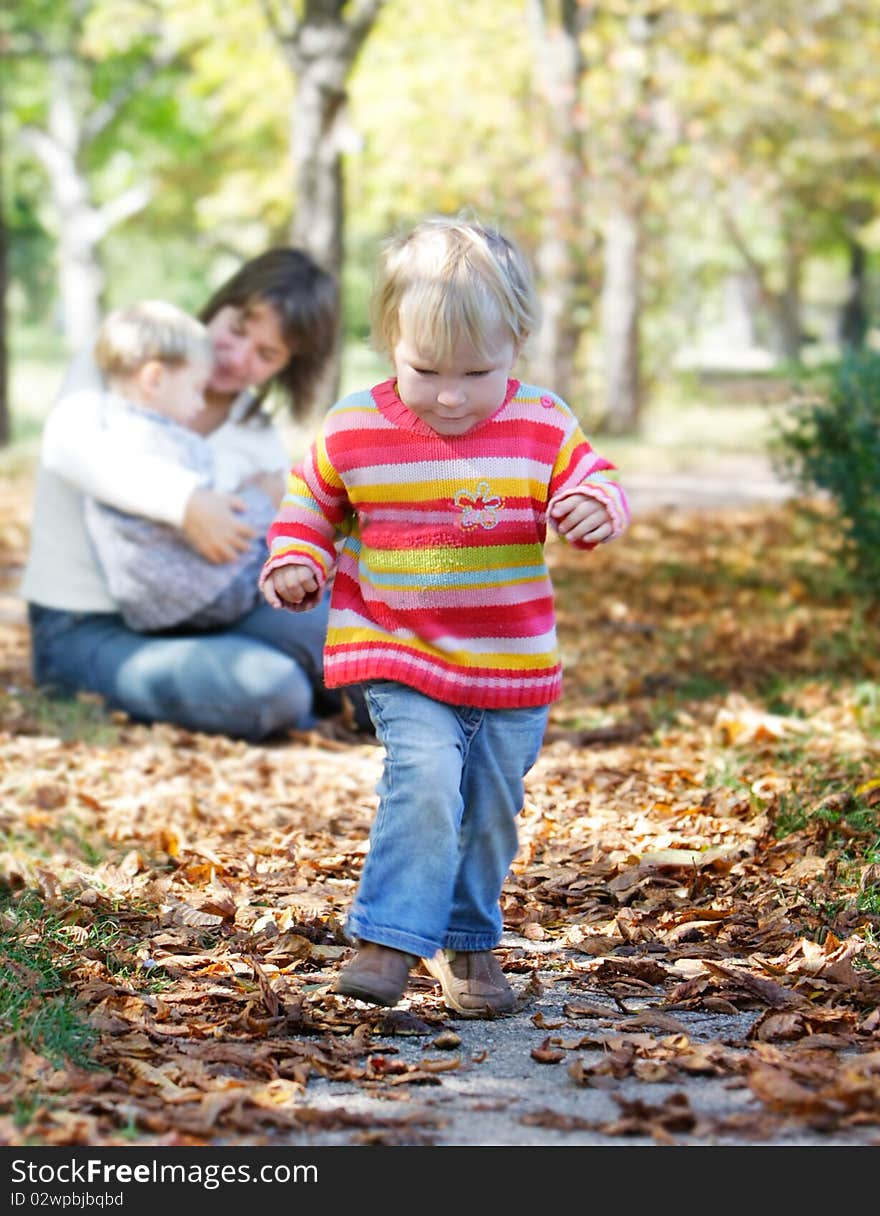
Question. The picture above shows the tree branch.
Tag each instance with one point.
(273, 20)
(103, 116)
(46, 149)
(361, 23)
(118, 209)
(739, 243)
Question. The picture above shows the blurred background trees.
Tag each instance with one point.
(695, 181)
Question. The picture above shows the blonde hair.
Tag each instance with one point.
(448, 279)
(150, 330)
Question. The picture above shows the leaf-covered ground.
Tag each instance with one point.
(701, 835)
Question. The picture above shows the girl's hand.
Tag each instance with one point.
(213, 525)
(289, 585)
(582, 518)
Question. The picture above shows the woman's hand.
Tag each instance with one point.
(213, 525)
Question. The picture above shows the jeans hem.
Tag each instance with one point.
(471, 942)
(359, 929)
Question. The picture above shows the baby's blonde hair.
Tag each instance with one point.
(448, 279)
(150, 330)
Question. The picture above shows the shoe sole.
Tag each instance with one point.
(364, 994)
(434, 969)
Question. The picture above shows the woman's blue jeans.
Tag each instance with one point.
(444, 835)
(251, 680)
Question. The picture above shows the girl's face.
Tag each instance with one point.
(453, 394)
(249, 348)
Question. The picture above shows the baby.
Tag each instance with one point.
(156, 361)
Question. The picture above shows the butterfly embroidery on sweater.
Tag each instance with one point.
(479, 509)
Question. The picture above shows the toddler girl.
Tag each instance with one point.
(429, 495)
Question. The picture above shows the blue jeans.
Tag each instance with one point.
(445, 833)
(251, 680)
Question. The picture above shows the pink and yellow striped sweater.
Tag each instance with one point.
(438, 543)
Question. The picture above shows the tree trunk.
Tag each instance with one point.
(621, 307)
(559, 70)
(321, 48)
(740, 303)
(61, 148)
(621, 303)
(853, 324)
(81, 280)
(318, 221)
(785, 311)
(80, 276)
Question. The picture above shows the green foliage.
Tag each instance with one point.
(31, 248)
(832, 443)
(444, 113)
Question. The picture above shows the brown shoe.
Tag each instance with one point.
(376, 974)
(472, 981)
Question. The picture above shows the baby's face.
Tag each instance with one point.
(452, 395)
(182, 392)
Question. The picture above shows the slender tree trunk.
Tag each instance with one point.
(621, 282)
(740, 303)
(318, 221)
(785, 310)
(319, 109)
(780, 310)
(61, 148)
(81, 281)
(321, 41)
(621, 311)
(559, 259)
(853, 323)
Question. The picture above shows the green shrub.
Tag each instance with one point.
(832, 443)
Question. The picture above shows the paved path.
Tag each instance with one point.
(493, 1091)
(729, 481)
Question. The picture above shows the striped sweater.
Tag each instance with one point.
(438, 543)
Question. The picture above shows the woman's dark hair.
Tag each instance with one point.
(306, 300)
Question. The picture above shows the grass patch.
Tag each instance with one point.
(842, 821)
(42, 950)
(843, 827)
(82, 717)
(728, 773)
(35, 1005)
(680, 694)
(67, 837)
(866, 702)
(843, 649)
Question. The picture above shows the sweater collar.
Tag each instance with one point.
(391, 407)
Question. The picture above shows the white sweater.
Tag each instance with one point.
(78, 457)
